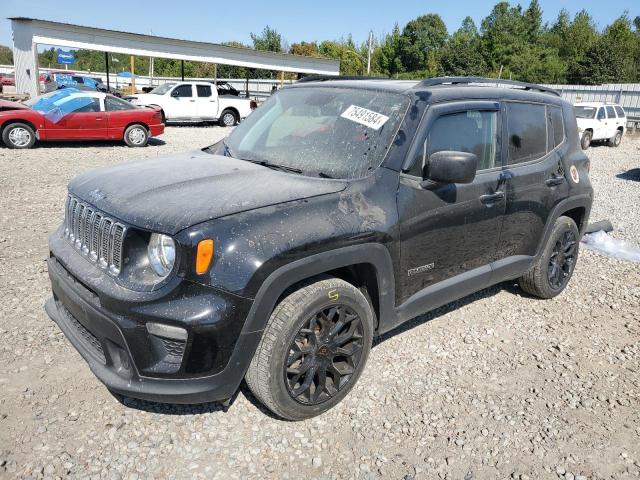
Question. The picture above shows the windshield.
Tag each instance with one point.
(585, 112)
(321, 131)
(162, 89)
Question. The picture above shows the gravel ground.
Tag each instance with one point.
(496, 385)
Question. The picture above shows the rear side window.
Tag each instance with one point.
(473, 131)
(527, 132)
(611, 113)
(113, 104)
(557, 125)
(204, 90)
(182, 91)
(620, 111)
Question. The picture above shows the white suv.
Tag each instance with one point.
(195, 102)
(600, 121)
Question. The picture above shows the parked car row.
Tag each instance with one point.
(191, 102)
(77, 107)
(56, 80)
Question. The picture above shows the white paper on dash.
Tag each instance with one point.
(365, 117)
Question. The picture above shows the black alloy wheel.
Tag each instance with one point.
(323, 356)
(562, 260)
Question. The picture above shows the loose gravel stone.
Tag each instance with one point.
(495, 385)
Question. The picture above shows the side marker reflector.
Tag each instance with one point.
(204, 256)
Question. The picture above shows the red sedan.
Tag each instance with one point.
(71, 114)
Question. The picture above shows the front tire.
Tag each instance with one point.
(551, 272)
(136, 135)
(313, 349)
(229, 118)
(585, 141)
(18, 136)
(616, 140)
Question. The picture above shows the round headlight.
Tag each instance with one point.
(162, 253)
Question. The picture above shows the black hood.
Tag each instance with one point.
(168, 194)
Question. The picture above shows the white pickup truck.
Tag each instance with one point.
(195, 102)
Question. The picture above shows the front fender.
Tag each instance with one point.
(278, 281)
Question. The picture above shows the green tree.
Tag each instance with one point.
(597, 67)
(387, 55)
(532, 21)
(573, 39)
(461, 54)
(307, 49)
(269, 40)
(622, 42)
(421, 41)
(6, 55)
(351, 61)
(502, 38)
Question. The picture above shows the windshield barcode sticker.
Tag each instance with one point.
(365, 117)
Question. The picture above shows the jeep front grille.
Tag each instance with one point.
(96, 236)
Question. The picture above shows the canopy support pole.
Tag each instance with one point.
(106, 61)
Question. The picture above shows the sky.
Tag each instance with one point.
(220, 21)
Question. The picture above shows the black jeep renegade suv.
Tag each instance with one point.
(338, 210)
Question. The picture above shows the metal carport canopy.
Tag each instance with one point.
(29, 32)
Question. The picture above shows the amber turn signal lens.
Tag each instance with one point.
(204, 256)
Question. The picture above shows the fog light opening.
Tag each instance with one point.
(167, 331)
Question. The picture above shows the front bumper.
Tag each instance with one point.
(129, 360)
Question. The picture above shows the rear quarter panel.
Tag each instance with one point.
(242, 105)
(120, 120)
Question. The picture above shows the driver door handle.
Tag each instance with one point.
(492, 197)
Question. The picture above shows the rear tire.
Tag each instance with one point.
(307, 361)
(585, 141)
(616, 140)
(18, 136)
(228, 118)
(136, 135)
(551, 272)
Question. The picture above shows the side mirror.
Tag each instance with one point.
(451, 167)
(174, 94)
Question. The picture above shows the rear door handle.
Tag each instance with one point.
(554, 181)
(492, 197)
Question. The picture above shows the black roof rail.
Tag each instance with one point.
(325, 78)
(432, 82)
